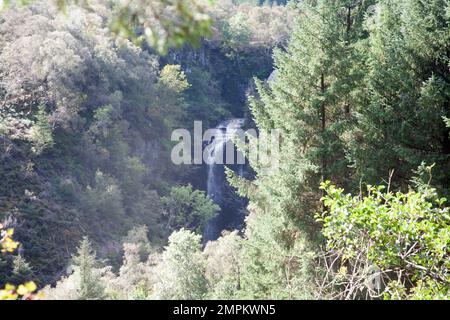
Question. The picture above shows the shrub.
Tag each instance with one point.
(385, 244)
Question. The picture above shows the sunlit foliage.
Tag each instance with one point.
(11, 292)
(386, 244)
(162, 23)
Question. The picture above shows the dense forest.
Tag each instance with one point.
(92, 205)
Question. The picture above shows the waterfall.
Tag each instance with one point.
(216, 181)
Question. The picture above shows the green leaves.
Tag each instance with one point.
(404, 234)
(180, 275)
(447, 121)
(11, 292)
(89, 286)
(405, 92)
(173, 77)
(41, 132)
(163, 24)
(188, 208)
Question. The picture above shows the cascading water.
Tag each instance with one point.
(216, 181)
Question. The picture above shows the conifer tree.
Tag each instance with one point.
(21, 271)
(407, 93)
(41, 132)
(312, 98)
(311, 101)
(90, 286)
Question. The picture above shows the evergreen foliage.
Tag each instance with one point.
(85, 281)
(360, 95)
(85, 263)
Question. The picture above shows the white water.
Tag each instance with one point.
(215, 176)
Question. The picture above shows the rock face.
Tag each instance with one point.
(232, 73)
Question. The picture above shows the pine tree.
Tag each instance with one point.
(311, 101)
(353, 98)
(41, 132)
(312, 97)
(22, 271)
(407, 95)
(89, 286)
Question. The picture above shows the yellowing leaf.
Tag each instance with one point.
(31, 286)
(22, 290)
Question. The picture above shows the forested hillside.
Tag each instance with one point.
(359, 91)
(86, 121)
